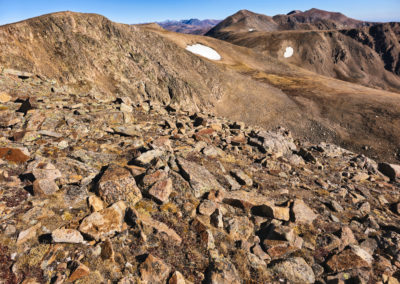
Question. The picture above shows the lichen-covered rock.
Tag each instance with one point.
(117, 184)
(295, 270)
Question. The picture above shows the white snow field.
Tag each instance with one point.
(204, 51)
(288, 52)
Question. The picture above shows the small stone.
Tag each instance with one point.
(67, 236)
(258, 251)
(79, 272)
(365, 208)
(161, 190)
(207, 207)
(28, 234)
(336, 206)
(154, 270)
(303, 213)
(347, 237)
(242, 178)
(295, 269)
(117, 184)
(95, 203)
(4, 98)
(216, 219)
(104, 223)
(43, 187)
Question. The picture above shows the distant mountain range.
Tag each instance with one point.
(191, 26)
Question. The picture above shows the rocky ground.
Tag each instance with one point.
(95, 192)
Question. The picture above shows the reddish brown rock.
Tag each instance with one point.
(161, 190)
(79, 272)
(349, 259)
(14, 155)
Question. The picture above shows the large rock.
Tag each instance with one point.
(154, 270)
(303, 213)
(104, 223)
(352, 258)
(295, 270)
(117, 184)
(43, 187)
(200, 179)
(277, 143)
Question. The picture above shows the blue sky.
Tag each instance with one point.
(131, 11)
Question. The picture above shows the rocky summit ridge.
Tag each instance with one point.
(125, 187)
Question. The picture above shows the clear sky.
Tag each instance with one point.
(132, 11)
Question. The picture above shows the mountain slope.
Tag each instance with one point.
(317, 19)
(365, 55)
(243, 21)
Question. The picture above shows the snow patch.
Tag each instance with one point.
(288, 52)
(204, 51)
